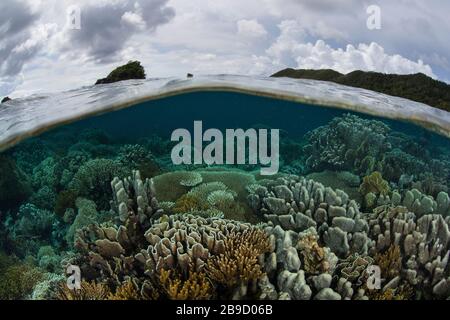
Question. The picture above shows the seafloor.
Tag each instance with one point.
(355, 198)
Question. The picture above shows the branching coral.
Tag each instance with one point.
(88, 291)
(126, 291)
(390, 262)
(195, 287)
(239, 262)
(375, 184)
(403, 292)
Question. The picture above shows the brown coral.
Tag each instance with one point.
(187, 203)
(239, 262)
(313, 255)
(195, 287)
(390, 262)
(403, 292)
(127, 291)
(374, 183)
(17, 280)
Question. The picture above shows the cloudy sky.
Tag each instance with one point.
(40, 51)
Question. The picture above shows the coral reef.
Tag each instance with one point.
(374, 183)
(195, 287)
(93, 180)
(297, 204)
(238, 265)
(31, 229)
(424, 244)
(17, 279)
(14, 184)
(371, 198)
(88, 291)
(347, 143)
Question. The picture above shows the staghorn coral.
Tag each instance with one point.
(143, 244)
(188, 203)
(213, 198)
(238, 264)
(47, 287)
(126, 291)
(195, 287)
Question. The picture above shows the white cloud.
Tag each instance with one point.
(290, 47)
(134, 20)
(251, 29)
(366, 57)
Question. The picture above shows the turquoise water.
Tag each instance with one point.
(344, 178)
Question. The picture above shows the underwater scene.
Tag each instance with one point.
(356, 207)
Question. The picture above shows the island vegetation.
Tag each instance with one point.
(417, 87)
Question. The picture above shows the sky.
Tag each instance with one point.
(44, 47)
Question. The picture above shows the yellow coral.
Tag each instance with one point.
(239, 262)
(404, 292)
(196, 287)
(390, 262)
(313, 255)
(127, 291)
(375, 184)
(187, 203)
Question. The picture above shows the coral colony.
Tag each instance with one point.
(235, 153)
(356, 211)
